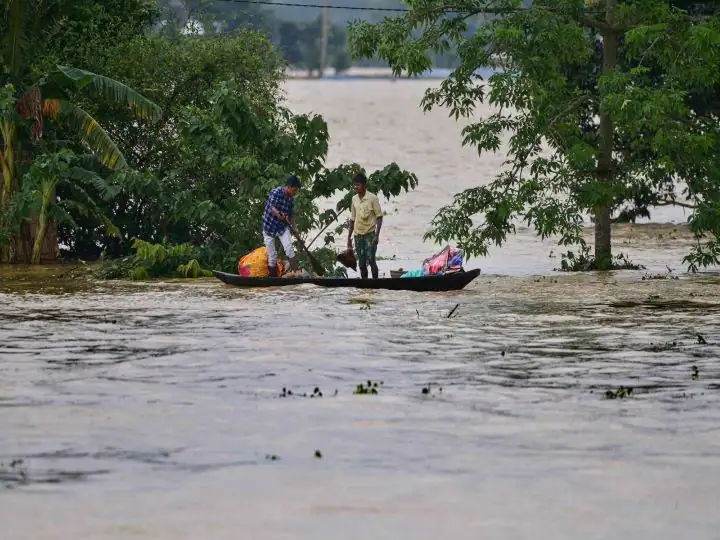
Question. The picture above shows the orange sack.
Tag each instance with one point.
(255, 264)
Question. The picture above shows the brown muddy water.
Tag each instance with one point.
(156, 410)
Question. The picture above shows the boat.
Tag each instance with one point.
(448, 282)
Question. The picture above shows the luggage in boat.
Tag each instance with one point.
(449, 259)
(255, 264)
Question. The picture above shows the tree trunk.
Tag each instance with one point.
(47, 190)
(7, 180)
(606, 131)
(4, 248)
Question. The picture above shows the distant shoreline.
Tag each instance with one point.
(362, 73)
(370, 73)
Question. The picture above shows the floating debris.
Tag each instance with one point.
(427, 390)
(369, 388)
(315, 393)
(619, 393)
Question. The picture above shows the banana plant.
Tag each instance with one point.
(52, 98)
(46, 173)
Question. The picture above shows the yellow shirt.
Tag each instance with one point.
(365, 213)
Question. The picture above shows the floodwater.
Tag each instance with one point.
(155, 410)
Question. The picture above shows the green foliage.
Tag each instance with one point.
(201, 176)
(187, 168)
(37, 35)
(154, 260)
(43, 101)
(157, 260)
(546, 93)
(66, 170)
(584, 261)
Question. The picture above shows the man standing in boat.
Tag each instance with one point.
(278, 219)
(365, 225)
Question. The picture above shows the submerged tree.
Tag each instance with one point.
(599, 98)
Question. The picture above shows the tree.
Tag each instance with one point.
(183, 173)
(24, 108)
(592, 128)
(198, 179)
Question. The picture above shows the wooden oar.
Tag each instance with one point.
(317, 267)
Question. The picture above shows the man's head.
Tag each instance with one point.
(360, 181)
(292, 185)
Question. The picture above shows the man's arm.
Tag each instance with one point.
(378, 219)
(273, 210)
(378, 226)
(351, 224)
(291, 216)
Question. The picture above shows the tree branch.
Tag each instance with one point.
(675, 203)
(569, 108)
(326, 227)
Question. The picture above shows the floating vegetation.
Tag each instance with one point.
(654, 301)
(361, 301)
(428, 390)
(684, 395)
(13, 473)
(545, 279)
(694, 373)
(585, 262)
(365, 304)
(659, 347)
(318, 454)
(619, 393)
(368, 388)
(700, 339)
(16, 474)
(668, 275)
(315, 393)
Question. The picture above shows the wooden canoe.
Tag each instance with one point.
(449, 282)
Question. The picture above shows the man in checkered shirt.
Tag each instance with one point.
(277, 221)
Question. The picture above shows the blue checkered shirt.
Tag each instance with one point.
(272, 226)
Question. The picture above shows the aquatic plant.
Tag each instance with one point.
(369, 387)
(619, 393)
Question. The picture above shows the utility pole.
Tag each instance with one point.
(324, 38)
